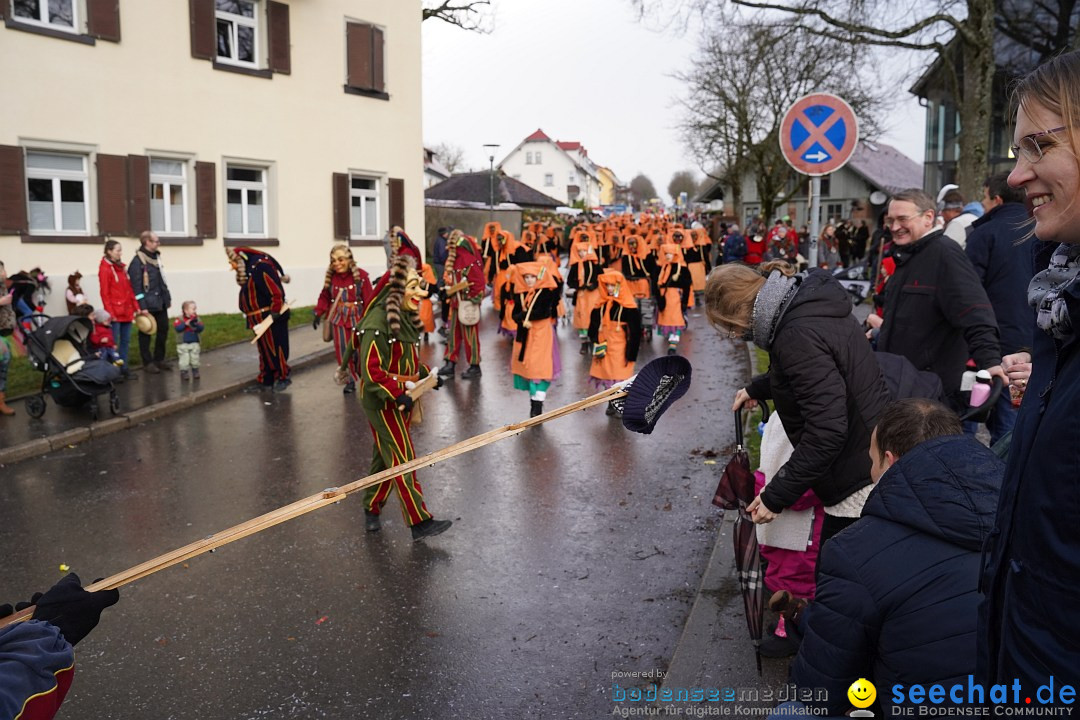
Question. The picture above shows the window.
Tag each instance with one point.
(245, 197)
(55, 14)
(536, 157)
(528, 158)
(57, 188)
(549, 180)
(835, 210)
(364, 207)
(365, 60)
(168, 196)
(237, 32)
(572, 179)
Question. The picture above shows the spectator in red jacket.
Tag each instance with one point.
(117, 298)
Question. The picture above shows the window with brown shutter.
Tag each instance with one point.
(397, 202)
(103, 19)
(206, 200)
(112, 190)
(13, 214)
(342, 229)
(139, 194)
(277, 16)
(365, 60)
(202, 28)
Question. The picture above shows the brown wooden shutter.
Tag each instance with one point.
(5, 8)
(13, 211)
(203, 34)
(138, 194)
(342, 207)
(206, 199)
(277, 15)
(358, 44)
(397, 202)
(378, 71)
(103, 19)
(112, 192)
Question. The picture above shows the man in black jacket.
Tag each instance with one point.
(999, 246)
(153, 296)
(897, 592)
(937, 314)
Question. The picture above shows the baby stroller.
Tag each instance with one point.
(72, 375)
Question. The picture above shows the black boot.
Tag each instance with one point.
(584, 348)
(472, 373)
(536, 407)
(447, 370)
(350, 388)
(371, 521)
(429, 528)
(612, 411)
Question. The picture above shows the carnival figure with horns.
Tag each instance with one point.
(262, 295)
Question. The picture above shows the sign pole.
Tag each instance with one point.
(815, 219)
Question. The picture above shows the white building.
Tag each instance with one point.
(286, 125)
(559, 169)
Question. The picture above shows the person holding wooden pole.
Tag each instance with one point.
(262, 297)
(615, 332)
(464, 287)
(535, 358)
(388, 340)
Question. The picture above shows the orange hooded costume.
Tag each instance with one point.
(584, 271)
(615, 329)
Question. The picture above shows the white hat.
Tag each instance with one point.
(945, 189)
(147, 324)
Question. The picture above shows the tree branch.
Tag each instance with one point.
(466, 15)
(863, 30)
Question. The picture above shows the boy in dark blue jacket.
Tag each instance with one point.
(188, 326)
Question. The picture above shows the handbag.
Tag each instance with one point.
(468, 313)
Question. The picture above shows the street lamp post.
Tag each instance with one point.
(491, 148)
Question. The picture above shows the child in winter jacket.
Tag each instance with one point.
(188, 326)
(101, 339)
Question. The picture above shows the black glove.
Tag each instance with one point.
(6, 610)
(404, 402)
(74, 610)
(438, 381)
(315, 323)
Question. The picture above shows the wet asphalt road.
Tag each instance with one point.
(576, 550)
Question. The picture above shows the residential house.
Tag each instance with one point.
(612, 192)
(559, 169)
(434, 171)
(286, 125)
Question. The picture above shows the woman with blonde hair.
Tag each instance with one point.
(828, 248)
(823, 380)
(1027, 632)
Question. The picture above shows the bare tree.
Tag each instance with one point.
(471, 15)
(684, 181)
(642, 190)
(450, 155)
(743, 81)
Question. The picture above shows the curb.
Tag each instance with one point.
(101, 428)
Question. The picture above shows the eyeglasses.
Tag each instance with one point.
(902, 219)
(1030, 147)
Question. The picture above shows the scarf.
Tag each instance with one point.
(147, 260)
(769, 306)
(1048, 292)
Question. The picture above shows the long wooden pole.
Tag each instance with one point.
(329, 496)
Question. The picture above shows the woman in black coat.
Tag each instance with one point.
(823, 379)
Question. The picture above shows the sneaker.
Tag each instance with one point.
(194, 373)
(471, 373)
(429, 528)
(447, 370)
(153, 369)
(672, 351)
(349, 389)
(584, 348)
(282, 385)
(183, 375)
(371, 522)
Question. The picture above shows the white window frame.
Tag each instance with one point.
(549, 180)
(56, 176)
(376, 193)
(528, 158)
(43, 17)
(245, 186)
(169, 181)
(536, 158)
(234, 35)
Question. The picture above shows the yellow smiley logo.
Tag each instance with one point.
(862, 693)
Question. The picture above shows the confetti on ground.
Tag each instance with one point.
(64, 568)
(321, 620)
(710, 462)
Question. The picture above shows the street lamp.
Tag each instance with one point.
(491, 148)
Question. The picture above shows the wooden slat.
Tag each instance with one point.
(112, 189)
(103, 19)
(13, 205)
(277, 17)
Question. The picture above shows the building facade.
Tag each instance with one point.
(559, 169)
(285, 125)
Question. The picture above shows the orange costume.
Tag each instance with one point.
(583, 277)
(427, 314)
(535, 357)
(615, 329)
(673, 294)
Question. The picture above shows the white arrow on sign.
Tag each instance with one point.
(819, 156)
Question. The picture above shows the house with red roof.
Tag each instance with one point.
(561, 169)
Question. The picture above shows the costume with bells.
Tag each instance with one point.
(463, 263)
(388, 340)
(345, 293)
(535, 357)
(262, 294)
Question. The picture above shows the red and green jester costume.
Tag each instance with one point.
(388, 340)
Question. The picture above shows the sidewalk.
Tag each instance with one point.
(224, 370)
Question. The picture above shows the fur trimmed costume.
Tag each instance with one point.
(464, 262)
(342, 301)
(262, 294)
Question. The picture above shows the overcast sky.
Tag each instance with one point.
(581, 70)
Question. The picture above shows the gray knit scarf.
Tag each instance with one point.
(769, 306)
(1045, 293)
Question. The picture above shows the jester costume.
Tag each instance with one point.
(262, 294)
(388, 340)
(463, 263)
(345, 293)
